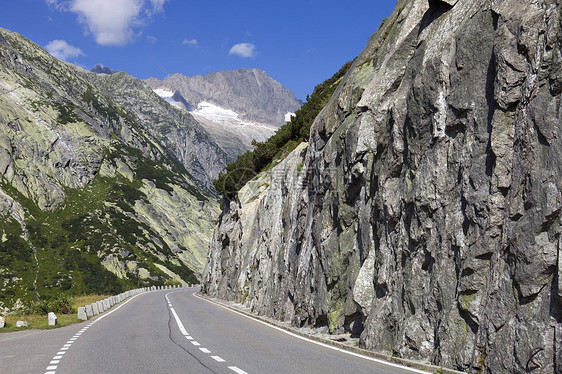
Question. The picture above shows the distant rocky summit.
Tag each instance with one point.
(99, 69)
(424, 213)
(234, 106)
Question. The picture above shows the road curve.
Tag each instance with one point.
(172, 331)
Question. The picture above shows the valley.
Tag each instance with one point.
(411, 205)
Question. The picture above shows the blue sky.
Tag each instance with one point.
(298, 43)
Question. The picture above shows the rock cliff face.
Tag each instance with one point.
(424, 214)
(103, 185)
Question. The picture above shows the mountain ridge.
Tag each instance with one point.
(238, 90)
(235, 106)
(99, 192)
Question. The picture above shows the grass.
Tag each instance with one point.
(38, 321)
(79, 301)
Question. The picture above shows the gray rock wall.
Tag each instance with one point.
(424, 214)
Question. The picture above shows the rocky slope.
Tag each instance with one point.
(424, 213)
(103, 185)
(234, 106)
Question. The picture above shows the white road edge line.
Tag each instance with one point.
(319, 343)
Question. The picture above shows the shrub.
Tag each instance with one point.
(62, 304)
(287, 138)
(172, 282)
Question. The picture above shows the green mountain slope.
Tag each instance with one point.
(103, 185)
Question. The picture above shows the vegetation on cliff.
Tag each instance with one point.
(249, 164)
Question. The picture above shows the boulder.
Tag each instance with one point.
(22, 324)
(2, 322)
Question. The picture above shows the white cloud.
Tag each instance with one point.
(55, 3)
(245, 50)
(190, 42)
(62, 50)
(152, 38)
(112, 22)
(157, 5)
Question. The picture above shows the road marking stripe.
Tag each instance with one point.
(180, 325)
(195, 343)
(316, 342)
(237, 370)
(56, 359)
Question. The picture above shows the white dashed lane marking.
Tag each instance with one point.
(237, 370)
(194, 342)
(53, 364)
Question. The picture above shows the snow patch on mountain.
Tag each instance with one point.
(224, 116)
(216, 113)
(288, 116)
(167, 95)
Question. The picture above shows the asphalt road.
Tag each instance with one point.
(172, 331)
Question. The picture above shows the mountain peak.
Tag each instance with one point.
(100, 69)
(250, 92)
